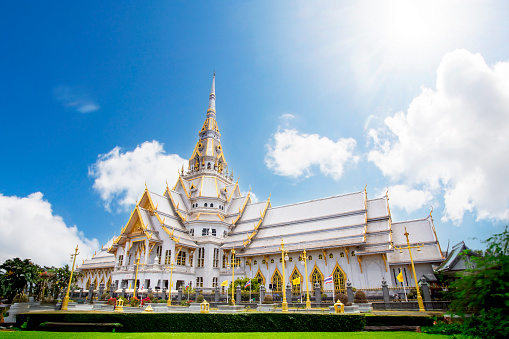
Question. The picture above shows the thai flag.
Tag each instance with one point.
(328, 280)
(247, 284)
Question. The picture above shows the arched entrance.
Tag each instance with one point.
(339, 278)
(276, 281)
(296, 288)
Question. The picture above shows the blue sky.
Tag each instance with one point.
(313, 99)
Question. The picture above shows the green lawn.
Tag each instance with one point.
(284, 335)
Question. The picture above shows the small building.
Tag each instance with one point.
(458, 260)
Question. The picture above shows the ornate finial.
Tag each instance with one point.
(146, 185)
(387, 192)
(214, 74)
(431, 210)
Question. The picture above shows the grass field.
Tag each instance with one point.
(283, 335)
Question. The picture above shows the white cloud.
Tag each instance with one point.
(454, 138)
(293, 154)
(30, 230)
(120, 177)
(406, 198)
(75, 99)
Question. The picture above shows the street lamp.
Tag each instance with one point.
(65, 302)
(284, 255)
(232, 265)
(136, 277)
(419, 298)
(305, 263)
(171, 284)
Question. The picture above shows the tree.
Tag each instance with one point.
(60, 279)
(484, 289)
(18, 274)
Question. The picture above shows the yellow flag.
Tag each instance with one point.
(296, 281)
(224, 283)
(400, 276)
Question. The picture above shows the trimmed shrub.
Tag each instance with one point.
(342, 297)
(267, 299)
(105, 296)
(196, 322)
(199, 298)
(134, 302)
(360, 297)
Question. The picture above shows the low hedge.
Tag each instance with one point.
(196, 322)
(395, 320)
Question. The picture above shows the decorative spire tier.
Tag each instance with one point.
(208, 153)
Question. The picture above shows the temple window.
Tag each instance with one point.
(320, 256)
(181, 258)
(271, 261)
(205, 205)
(214, 232)
(353, 253)
(331, 255)
(211, 205)
(310, 257)
(255, 262)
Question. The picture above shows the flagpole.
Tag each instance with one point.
(404, 289)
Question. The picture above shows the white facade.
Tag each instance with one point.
(196, 224)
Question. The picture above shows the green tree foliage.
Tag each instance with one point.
(17, 275)
(60, 279)
(484, 289)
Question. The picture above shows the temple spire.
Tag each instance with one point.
(212, 98)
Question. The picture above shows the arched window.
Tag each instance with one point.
(317, 277)
(320, 256)
(339, 279)
(211, 205)
(208, 165)
(342, 254)
(353, 253)
(255, 262)
(310, 257)
(296, 287)
(276, 282)
(271, 261)
(205, 205)
(331, 255)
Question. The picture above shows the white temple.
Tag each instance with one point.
(199, 221)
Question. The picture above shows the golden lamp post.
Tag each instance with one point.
(419, 298)
(284, 256)
(305, 263)
(171, 284)
(65, 302)
(232, 265)
(136, 276)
